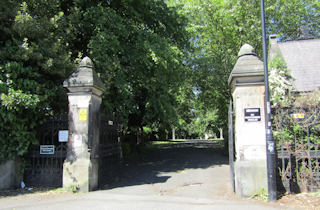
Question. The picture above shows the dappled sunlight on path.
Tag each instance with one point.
(184, 176)
(182, 161)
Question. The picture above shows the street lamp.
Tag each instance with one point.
(270, 144)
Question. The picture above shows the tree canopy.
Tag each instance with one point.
(138, 49)
(165, 63)
(220, 27)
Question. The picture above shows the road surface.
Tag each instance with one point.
(189, 175)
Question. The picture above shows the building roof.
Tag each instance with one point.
(303, 60)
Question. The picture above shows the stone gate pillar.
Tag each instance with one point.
(248, 92)
(80, 169)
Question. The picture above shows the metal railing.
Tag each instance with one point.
(298, 143)
(299, 167)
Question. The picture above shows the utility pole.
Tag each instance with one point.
(270, 144)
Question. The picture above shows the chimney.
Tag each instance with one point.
(273, 46)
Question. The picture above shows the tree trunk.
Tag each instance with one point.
(221, 133)
(173, 133)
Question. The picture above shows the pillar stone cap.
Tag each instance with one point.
(246, 49)
(247, 65)
(84, 77)
(86, 62)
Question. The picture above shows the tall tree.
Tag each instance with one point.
(220, 27)
(138, 48)
(33, 64)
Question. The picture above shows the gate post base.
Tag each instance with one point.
(250, 177)
(80, 175)
(9, 174)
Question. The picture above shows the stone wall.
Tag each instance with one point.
(9, 175)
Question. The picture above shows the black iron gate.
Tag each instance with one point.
(44, 162)
(110, 153)
(231, 144)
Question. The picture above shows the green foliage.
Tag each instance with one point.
(280, 82)
(205, 123)
(138, 49)
(294, 19)
(16, 129)
(288, 129)
(126, 149)
(164, 63)
(262, 195)
(33, 65)
(220, 27)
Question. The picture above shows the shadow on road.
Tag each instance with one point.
(147, 168)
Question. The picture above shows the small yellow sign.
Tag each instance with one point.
(298, 116)
(83, 114)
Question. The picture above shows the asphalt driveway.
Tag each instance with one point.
(189, 175)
